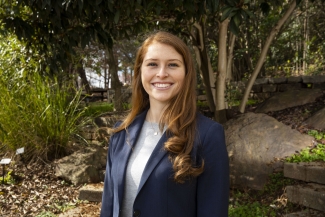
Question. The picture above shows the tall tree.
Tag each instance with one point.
(265, 49)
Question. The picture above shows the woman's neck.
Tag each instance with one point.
(155, 112)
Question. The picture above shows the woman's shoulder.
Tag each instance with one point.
(204, 123)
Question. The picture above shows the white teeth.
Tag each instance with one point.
(162, 85)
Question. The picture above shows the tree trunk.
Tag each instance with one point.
(232, 39)
(115, 81)
(203, 61)
(220, 112)
(265, 49)
(82, 74)
(229, 75)
(305, 40)
(105, 72)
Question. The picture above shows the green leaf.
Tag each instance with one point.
(249, 13)
(80, 5)
(233, 27)
(215, 5)
(158, 9)
(237, 19)
(232, 3)
(226, 12)
(151, 5)
(117, 17)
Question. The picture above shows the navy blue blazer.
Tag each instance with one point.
(158, 194)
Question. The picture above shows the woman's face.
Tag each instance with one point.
(162, 72)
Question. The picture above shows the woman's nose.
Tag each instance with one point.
(162, 73)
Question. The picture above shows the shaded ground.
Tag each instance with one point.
(37, 192)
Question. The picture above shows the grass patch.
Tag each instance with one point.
(314, 154)
(264, 203)
(236, 103)
(7, 179)
(39, 113)
(98, 108)
(254, 209)
(308, 155)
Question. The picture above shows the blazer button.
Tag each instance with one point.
(136, 213)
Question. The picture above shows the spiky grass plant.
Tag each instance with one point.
(38, 112)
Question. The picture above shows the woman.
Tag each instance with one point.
(165, 159)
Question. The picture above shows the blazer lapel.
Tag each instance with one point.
(131, 135)
(156, 156)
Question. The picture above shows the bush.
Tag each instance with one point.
(98, 108)
(36, 112)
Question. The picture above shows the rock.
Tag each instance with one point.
(261, 81)
(255, 143)
(313, 79)
(269, 88)
(293, 79)
(317, 120)
(278, 80)
(83, 166)
(311, 195)
(289, 99)
(91, 192)
(202, 97)
(103, 134)
(306, 171)
(106, 121)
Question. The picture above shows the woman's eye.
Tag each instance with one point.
(173, 65)
(152, 64)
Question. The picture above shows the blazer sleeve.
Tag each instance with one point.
(213, 183)
(108, 193)
(107, 198)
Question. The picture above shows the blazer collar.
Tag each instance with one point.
(156, 156)
(132, 134)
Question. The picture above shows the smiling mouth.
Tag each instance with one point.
(162, 85)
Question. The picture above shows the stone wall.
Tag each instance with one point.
(264, 88)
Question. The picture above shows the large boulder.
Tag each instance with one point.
(256, 143)
(289, 99)
(317, 120)
(83, 166)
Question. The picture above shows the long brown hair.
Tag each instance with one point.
(180, 114)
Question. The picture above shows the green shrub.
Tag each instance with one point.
(308, 155)
(46, 214)
(316, 134)
(126, 106)
(95, 109)
(254, 209)
(7, 179)
(276, 182)
(245, 204)
(201, 104)
(38, 112)
(316, 153)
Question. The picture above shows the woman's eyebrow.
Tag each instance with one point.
(153, 59)
(150, 59)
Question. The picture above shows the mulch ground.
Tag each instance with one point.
(38, 192)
